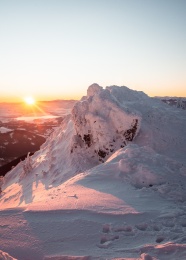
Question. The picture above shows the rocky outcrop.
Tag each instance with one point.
(102, 124)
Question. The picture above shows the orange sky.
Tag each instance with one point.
(56, 49)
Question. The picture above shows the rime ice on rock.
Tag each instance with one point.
(93, 89)
(102, 124)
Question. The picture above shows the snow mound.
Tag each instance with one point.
(161, 252)
(143, 167)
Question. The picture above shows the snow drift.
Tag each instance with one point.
(115, 170)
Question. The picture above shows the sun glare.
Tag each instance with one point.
(29, 100)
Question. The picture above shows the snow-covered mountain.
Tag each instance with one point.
(115, 171)
(178, 102)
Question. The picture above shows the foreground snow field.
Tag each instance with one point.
(109, 183)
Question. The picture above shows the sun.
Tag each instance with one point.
(29, 100)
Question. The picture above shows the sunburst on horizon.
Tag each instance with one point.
(29, 100)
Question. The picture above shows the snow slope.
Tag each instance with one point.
(109, 183)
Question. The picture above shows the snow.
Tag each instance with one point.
(99, 124)
(108, 183)
(4, 130)
(5, 256)
(93, 90)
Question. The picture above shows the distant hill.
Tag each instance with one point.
(7, 167)
(179, 102)
(54, 107)
(16, 143)
(18, 137)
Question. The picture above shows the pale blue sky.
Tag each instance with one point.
(57, 48)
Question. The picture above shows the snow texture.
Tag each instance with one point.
(109, 183)
(99, 124)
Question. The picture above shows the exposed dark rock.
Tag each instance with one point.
(130, 133)
(102, 154)
(7, 167)
(87, 139)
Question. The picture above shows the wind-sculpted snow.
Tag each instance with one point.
(102, 124)
(142, 167)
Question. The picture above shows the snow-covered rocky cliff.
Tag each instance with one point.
(120, 152)
(98, 126)
(101, 123)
